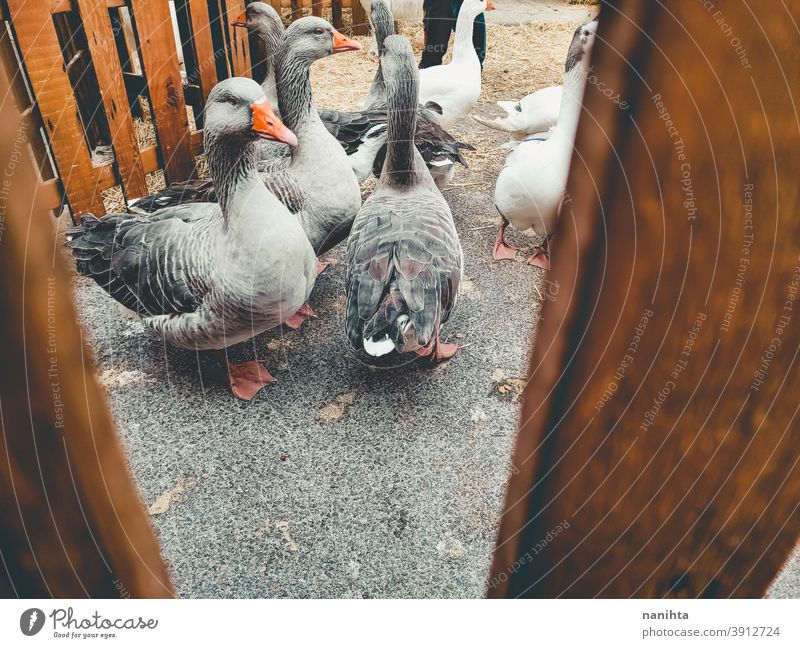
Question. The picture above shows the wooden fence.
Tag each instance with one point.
(82, 70)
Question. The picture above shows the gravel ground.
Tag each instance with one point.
(345, 479)
(341, 480)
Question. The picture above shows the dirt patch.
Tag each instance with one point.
(175, 494)
(335, 410)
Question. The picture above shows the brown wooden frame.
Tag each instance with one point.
(635, 474)
(72, 523)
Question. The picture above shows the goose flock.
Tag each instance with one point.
(209, 263)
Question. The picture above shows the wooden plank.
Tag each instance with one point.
(100, 39)
(205, 55)
(297, 9)
(657, 454)
(317, 7)
(239, 44)
(79, 70)
(336, 13)
(19, 89)
(36, 36)
(63, 6)
(73, 522)
(160, 61)
(50, 194)
(359, 18)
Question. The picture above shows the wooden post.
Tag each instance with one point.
(336, 13)
(657, 453)
(239, 43)
(297, 9)
(39, 45)
(103, 50)
(360, 22)
(203, 45)
(161, 68)
(73, 524)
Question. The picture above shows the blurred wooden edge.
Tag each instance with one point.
(551, 343)
(738, 547)
(72, 523)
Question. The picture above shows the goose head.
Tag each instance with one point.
(238, 110)
(474, 8)
(397, 59)
(260, 19)
(313, 38)
(382, 21)
(581, 45)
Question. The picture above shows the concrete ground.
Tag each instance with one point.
(345, 479)
(342, 480)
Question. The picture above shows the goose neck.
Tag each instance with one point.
(293, 84)
(462, 44)
(571, 100)
(231, 165)
(263, 39)
(401, 91)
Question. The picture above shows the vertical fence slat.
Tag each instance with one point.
(10, 65)
(240, 46)
(97, 26)
(359, 18)
(336, 13)
(73, 523)
(203, 45)
(160, 61)
(39, 45)
(297, 9)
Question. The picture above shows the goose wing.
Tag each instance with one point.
(190, 191)
(352, 129)
(403, 259)
(148, 265)
(284, 185)
(434, 143)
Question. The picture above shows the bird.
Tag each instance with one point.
(402, 10)
(404, 258)
(325, 196)
(207, 276)
(453, 89)
(535, 114)
(380, 15)
(531, 185)
(361, 134)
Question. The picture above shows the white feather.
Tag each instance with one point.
(378, 347)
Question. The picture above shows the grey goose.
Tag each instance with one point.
(205, 276)
(404, 259)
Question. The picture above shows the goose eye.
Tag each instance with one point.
(319, 30)
(232, 101)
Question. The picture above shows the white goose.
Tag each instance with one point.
(404, 259)
(453, 89)
(536, 113)
(531, 185)
(206, 276)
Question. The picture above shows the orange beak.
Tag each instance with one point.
(342, 43)
(241, 21)
(490, 6)
(267, 125)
